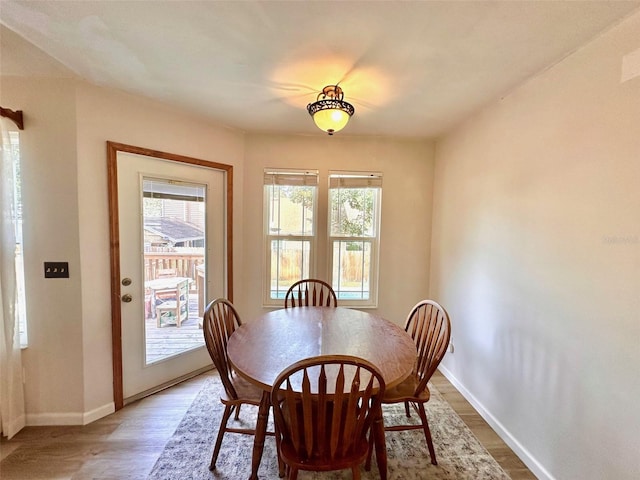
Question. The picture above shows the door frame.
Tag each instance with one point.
(114, 243)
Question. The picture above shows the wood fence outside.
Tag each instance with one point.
(355, 268)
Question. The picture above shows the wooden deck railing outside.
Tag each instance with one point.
(183, 263)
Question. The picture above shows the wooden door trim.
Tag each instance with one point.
(114, 243)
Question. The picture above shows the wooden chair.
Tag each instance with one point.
(163, 294)
(220, 320)
(174, 308)
(310, 292)
(323, 409)
(429, 326)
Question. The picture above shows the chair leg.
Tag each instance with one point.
(281, 465)
(367, 463)
(293, 473)
(223, 427)
(406, 409)
(355, 472)
(237, 417)
(427, 433)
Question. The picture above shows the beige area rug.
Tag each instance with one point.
(188, 453)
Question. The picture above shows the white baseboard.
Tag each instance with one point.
(536, 467)
(14, 426)
(98, 413)
(74, 418)
(47, 419)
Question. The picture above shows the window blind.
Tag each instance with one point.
(291, 177)
(355, 180)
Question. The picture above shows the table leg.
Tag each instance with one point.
(380, 445)
(261, 433)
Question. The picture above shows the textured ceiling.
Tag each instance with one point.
(410, 68)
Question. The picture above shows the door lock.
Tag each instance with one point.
(126, 281)
(126, 298)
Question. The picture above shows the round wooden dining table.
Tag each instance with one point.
(260, 349)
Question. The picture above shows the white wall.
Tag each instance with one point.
(53, 370)
(536, 255)
(407, 167)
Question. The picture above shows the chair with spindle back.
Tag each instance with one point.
(323, 409)
(310, 292)
(220, 320)
(429, 325)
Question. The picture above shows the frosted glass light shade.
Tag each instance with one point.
(331, 120)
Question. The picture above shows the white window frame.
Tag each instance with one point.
(289, 177)
(344, 179)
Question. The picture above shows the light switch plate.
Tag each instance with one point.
(56, 269)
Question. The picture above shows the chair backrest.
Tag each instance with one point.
(166, 273)
(430, 327)
(220, 320)
(324, 406)
(183, 299)
(310, 292)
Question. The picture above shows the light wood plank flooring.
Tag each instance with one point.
(126, 445)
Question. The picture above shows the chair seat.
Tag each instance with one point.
(169, 304)
(324, 463)
(247, 392)
(405, 392)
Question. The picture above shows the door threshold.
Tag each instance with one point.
(164, 386)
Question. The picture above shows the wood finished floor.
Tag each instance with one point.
(126, 444)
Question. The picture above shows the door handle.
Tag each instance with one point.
(126, 298)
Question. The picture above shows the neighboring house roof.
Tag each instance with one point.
(172, 229)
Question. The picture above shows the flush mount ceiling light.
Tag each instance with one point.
(330, 112)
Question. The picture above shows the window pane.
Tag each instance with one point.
(174, 233)
(289, 263)
(353, 211)
(14, 152)
(351, 269)
(290, 209)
